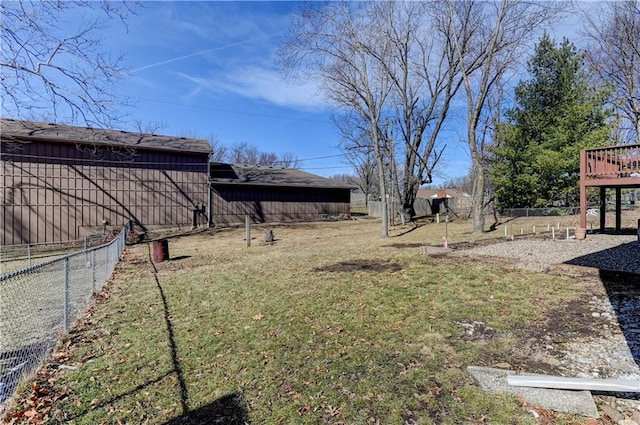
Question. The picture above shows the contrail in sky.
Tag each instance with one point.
(179, 58)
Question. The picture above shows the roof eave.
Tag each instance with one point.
(22, 138)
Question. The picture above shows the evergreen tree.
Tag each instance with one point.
(557, 112)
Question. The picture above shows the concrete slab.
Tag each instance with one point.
(575, 402)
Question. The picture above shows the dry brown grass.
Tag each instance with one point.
(328, 324)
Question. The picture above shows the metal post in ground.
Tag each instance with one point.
(93, 271)
(65, 315)
(29, 253)
(248, 230)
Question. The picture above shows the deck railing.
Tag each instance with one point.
(611, 162)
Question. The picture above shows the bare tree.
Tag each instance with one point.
(365, 167)
(219, 150)
(149, 127)
(489, 38)
(357, 149)
(243, 153)
(268, 159)
(49, 71)
(364, 164)
(424, 70)
(615, 55)
(398, 46)
(288, 160)
(333, 42)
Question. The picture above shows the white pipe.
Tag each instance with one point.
(562, 383)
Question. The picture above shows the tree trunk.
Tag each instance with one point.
(477, 164)
(478, 203)
(383, 199)
(409, 200)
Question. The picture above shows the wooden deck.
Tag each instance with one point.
(616, 167)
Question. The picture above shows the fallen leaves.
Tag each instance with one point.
(37, 407)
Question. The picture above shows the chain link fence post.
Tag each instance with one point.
(57, 291)
(93, 271)
(65, 274)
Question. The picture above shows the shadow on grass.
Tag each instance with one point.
(181, 257)
(623, 290)
(229, 410)
(177, 367)
(414, 227)
(119, 397)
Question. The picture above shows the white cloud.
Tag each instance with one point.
(262, 84)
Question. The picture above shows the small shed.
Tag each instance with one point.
(63, 182)
(439, 200)
(273, 194)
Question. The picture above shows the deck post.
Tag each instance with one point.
(583, 189)
(618, 208)
(603, 208)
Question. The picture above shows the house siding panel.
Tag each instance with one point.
(62, 192)
(268, 204)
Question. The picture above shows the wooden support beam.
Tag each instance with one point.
(583, 190)
(603, 209)
(618, 208)
(583, 206)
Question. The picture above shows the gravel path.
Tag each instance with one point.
(613, 351)
(607, 252)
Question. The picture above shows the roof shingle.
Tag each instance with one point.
(47, 132)
(236, 174)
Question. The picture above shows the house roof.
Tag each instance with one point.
(437, 193)
(62, 133)
(257, 175)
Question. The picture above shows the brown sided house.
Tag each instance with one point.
(61, 182)
(270, 194)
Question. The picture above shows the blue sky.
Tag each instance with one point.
(207, 69)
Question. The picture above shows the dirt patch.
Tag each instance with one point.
(361, 265)
(405, 245)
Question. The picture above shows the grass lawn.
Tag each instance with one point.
(329, 324)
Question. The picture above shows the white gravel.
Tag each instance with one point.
(611, 352)
(607, 252)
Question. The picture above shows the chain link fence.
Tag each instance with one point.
(539, 212)
(16, 257)
(40, 303)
